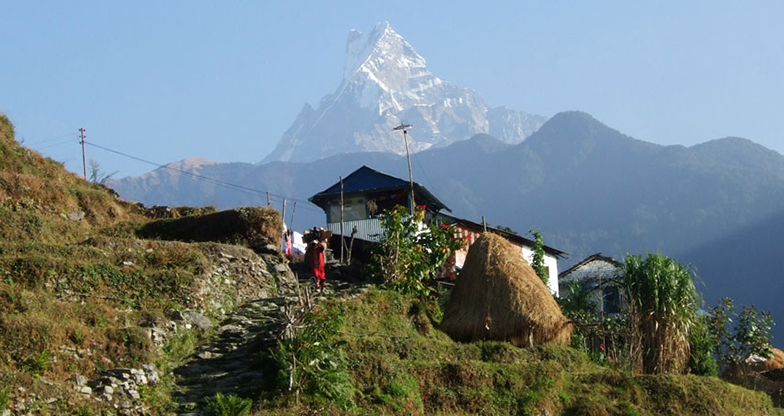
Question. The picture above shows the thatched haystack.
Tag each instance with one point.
(254, 227)
(498, 296)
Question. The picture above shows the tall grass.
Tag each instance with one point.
(662, 310)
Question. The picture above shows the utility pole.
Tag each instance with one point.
(84, 158)
(283, 220)
(405, 128)
(291, 220)
(341, 220)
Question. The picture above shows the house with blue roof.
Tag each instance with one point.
(366, 194)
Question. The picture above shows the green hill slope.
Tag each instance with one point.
(395, 362)
(81, 294)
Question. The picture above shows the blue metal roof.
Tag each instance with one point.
(367, 179)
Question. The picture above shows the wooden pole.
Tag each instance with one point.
(84, 158)
(291, 221)
(351, 247)
(484, 223)
(283, 220)
(410, 172)
(341, 219)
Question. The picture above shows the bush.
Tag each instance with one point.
(749, 336)
(701, 347)
(409, 256)
(4, 397)
(312, 361)
(38, 363)
(230, 405)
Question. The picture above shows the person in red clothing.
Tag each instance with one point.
(317, 263)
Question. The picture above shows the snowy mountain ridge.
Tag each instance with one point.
(386, 82)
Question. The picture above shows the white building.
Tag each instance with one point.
(601, 276)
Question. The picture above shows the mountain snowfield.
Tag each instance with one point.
(386, 82)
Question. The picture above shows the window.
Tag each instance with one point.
(611, 299)
(353, 209)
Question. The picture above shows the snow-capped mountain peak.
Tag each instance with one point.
(387, 65)
(385, 81)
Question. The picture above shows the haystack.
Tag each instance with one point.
(498, 296)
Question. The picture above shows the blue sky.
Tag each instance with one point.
(223, 80)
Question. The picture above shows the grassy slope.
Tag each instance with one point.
(401, 365)
(74, 293)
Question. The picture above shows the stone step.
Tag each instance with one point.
(227, 363)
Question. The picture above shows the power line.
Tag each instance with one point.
(54, 144)
(51, 139)
(422, 168)
(239, 188)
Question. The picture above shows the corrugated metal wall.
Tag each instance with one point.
(369, 229)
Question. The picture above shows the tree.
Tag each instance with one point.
(662, 309)
(750, 335)
(410, 254)
(538, 260)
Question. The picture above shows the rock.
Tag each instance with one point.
(86, 390)
(158, 337)
(176, 315)
(79, 380)
(108, 389)
(77, 215)
(232, 331)
(152, 373)
(198, 320)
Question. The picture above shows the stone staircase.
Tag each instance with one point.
(229, 362)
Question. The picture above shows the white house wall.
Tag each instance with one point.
(552, 266)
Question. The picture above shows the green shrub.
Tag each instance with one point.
(4, 397)
(230, 405)
(409, 257)
(313, 361)
(749, 336)
(701, 347)
(38, 363)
